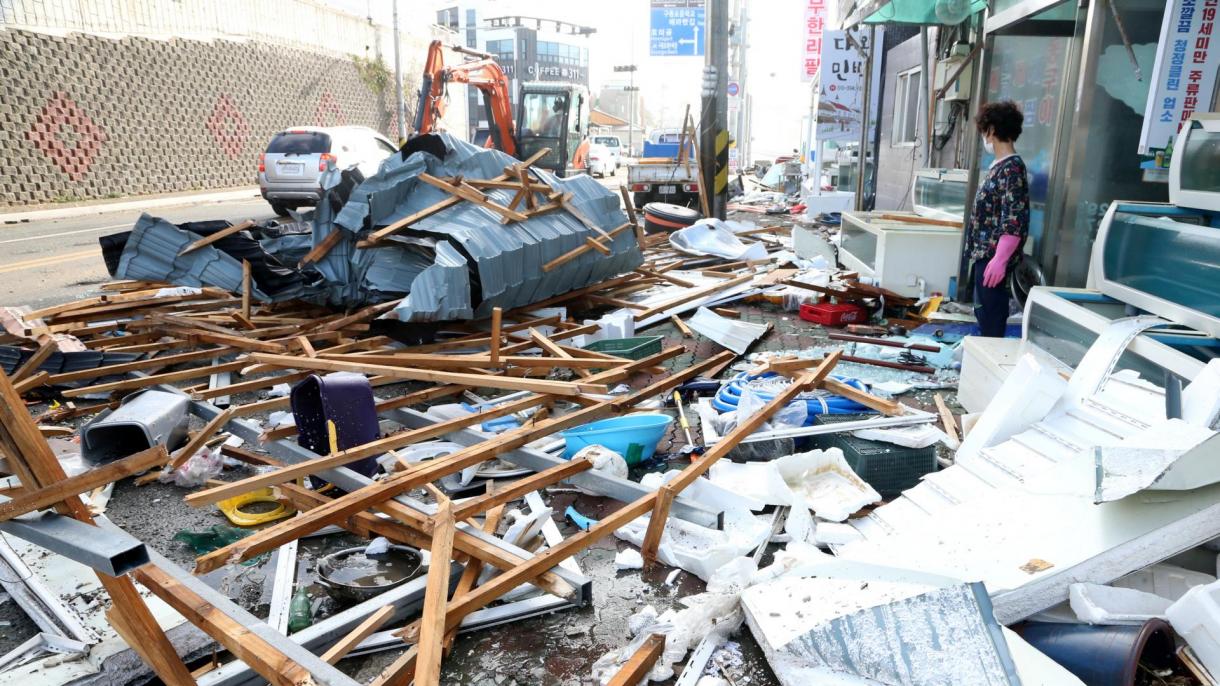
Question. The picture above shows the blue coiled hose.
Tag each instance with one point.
(729, 394)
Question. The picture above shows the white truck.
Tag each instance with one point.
(659, 176)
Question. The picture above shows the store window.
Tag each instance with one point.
(906, 107)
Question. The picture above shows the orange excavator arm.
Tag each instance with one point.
(482, 73)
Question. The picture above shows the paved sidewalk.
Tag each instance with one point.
(92, 207)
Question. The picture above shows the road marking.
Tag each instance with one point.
(64, 233)
(48, 261)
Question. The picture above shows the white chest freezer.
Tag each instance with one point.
(900, 255)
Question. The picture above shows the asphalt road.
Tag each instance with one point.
(48, 262)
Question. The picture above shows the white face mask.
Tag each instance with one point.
(988, 146)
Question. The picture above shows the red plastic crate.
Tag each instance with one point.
(830, 314)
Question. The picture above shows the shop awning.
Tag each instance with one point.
(911, 11)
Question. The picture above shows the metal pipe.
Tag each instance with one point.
(865, 113)
(399, 106)
(925, 106)
(111, 552)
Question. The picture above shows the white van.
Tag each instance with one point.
(614, 145)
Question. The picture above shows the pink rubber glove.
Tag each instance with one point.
(993, 275)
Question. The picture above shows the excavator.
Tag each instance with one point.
(549, 115)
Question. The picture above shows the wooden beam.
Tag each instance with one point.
(472, 195)
(362, 631)
(376, 447)
(519, 488)
(376, 494)
(484, 361)
(887, 407)
(124, 367)
(636, 668)
(946, 417)
(400, 670)
(665, 277)
(496, 336)
(40, 498)
(436, 596)
(46, 346)
(201, 437)
(37, 467)
(154, 379)
(216, 236)
(681, 326)
(693, 295)
(322, 248)
(246, 288)
(554, 349)
(580, 250)
(248, 646)
(477, 381)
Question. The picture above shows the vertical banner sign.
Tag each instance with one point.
(815, 23)
(840, 100)
(676, 28)
(1184, 76)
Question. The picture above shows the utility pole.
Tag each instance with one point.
(714, 117)
(631, 89)
(400, 107)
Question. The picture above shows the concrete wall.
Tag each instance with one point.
(85, 117)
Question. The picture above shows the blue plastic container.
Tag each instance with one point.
(635, 436)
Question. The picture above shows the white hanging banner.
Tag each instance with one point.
(1184, 76)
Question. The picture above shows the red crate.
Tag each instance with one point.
(829, 314)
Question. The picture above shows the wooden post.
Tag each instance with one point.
(496, 315)
(245, 289)
(432, 622)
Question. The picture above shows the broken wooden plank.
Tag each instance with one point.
(373, 448)
(246, 289)
(322, 248)
(520, 487)
(681, 326)
(41, 498)
(216, 236)
(472, 195)
(46, 346)
(496, 336)
(580, 250)
(635, 669)
(504, 382)
(946, 417)
(695, 294)
(362, 631)
(201, 437)
(436, 596)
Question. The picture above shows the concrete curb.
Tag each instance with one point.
(126, 205)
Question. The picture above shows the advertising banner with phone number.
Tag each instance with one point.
(1185, 74)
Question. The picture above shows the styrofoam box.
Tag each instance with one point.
(1196, 618)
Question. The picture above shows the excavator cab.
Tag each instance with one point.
(555, 116)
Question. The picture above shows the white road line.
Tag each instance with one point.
(66, 233)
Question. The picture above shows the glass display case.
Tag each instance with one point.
(940, 193)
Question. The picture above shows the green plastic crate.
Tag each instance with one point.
(636, 348)
(888, 468)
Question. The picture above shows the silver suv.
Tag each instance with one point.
(288, 172)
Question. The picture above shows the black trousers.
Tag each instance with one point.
(990, 304)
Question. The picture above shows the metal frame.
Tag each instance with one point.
(1017, 13)
(113, 553)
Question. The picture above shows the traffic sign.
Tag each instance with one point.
(676, 28)
(734, 88)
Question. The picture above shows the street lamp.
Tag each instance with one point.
(630, 105)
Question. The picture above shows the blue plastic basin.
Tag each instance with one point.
(635, 436)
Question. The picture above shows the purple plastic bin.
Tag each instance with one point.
(347, 400)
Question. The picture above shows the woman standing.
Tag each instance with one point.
(999, 221)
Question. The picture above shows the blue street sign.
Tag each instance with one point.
(676, 28)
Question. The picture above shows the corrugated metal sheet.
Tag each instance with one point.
(152, 250)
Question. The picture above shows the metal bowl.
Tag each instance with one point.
(349, 577)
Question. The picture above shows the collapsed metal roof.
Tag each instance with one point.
(456, 263)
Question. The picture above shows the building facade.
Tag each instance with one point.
(528, 49)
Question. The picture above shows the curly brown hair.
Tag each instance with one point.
(1003, 119)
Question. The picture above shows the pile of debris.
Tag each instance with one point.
(402, 365)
